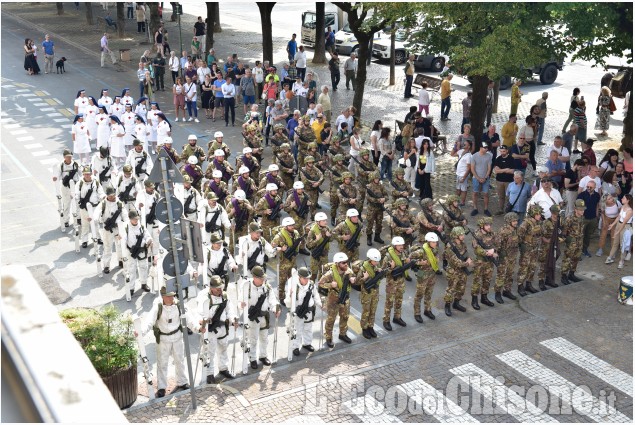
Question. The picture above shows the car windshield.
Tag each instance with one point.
(346, 28)
(400, 36)
(309, 20)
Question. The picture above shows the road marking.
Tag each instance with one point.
(49, 161)
(53, 102)
(34, 99)
(14, 178)
(24, 138)
(21, 90)
(378, 329)
(41, 93)
(8, 86)
(595, 366)
(10, 126)
(24, 85)
(53, 114)
(27, 95)
(47, 109)
(41, 104)
(17, 132)
(555, 384)
(421, 392)
(58, 101)
(369, 410)
(33, 146)
(486, 384)
(41, 153)
(7, 120)
(67, 126)
(66, 112)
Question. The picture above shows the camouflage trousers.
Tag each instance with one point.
(572, 254)
(267, 227)
(335, 202)
(505, 272)
(369, 302)
(362, 198)
(425, 285)
(313, 197)
(542, 261)
(333, 309)
(374, 218)
(284, 274)
(456, 285)
(527, 264)
(483, 272)
(352, 255)
(316, 265)
(395, 289)
(286, 178)
(345, 206)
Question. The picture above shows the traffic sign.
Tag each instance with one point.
(169, 268)
(192, 240)
(162, 209)
(165, 238)
(174, 175)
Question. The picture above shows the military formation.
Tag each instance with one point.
(254, 218)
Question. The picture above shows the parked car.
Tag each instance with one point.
(381, 51)
(547, 72)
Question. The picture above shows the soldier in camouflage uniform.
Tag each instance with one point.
(273, 176)
(337, 149)
(572, 232)
(167, 147)
(426, 257)
(284, 240)
(286, 163)
(402, 223)
(320, 160)
(239, 211)
(265, 206)
(245, 183)
(529, 242)
(250, 162)
(348, 193)
(364, 168)
(507, 246)
(400, 187)
(452, 214)
(217, 186)
(333, 282)
(192, 149)
(318, 234)
(303, 135)
(253, 139)
(484, 268)
(457, 269)
(546, 231)
(336, 171)
(369, 297)
(296, 200)
(312, 179)
(192, 169)
(377, 196)
(217, 144)
(395, 285)
(218, 162)
(344, 231)
(280, 137)
(428, 220)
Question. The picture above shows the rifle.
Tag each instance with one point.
(241, 219)
(461, 257)
(83, 201)
(152, 215)
(220, 269)
(245, 344)
(111, 222)
(138, 169)
(254, 310)
(284, 164)
(215, 322)
(303, 309)
(187, 202)
(344, 295)
(410, 237)
(210, 226)
(251, 261)
(361, 165)
(303, 208)
(292, 250)
(395, 273)
(147, 371)
(291, 330)
(102, 176)
(351, 244)
(318, 251)
(275, 212)
(372, 282)
(452, 216)
(66, 181)
(485, 247)
(125, 195)
(375, 196)
(441, 236)
(306, 176)
(394, 185)
(136, 249)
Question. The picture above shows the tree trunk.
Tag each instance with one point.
(392, 55)
(497, 86)
(89, 13)
(479, 109)
(60, 8)
(209, 27)
(360, 81)
(319, 54)
(267, 36)
(121, 19)
(154, 19)
(217, 27)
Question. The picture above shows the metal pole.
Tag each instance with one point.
(167, 190)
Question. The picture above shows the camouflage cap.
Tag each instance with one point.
(374, 175)
(110, 191)
(127, 168)
(211, 196)
(555, 209)
(304, 272)
(453, 198)
(426, 203)
(335, 138)
(258, 271)
(67, 152)
(215, 282)
(137, 142)
(165, 293)
(511, 217)
(308, 159)
(347, 175)
(401, 201)
(579, 204)
(364, 152)
(254, 227)
(312, 145)
(250, 127)
(86, 170)
(400, 171)
(285, 146)
(306, 117)
(215, 238)
(338, 157)
(133, 214)
(187, 178)
(484, 220)
(535, 210)
(278, 127)
(148, 183)
(457, 231)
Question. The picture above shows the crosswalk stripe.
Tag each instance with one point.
(40, 153)
(17, 132)
(49, 161)
(53, 114)
(41, 93)
(419, 391)
(369, 410)
(59, 102)
(33, 99)
(66, 112)
(8, 86)
(41, 104)
(26, 94)
(554, 384)
(61, 120)
(21, 90)
(67, 125)
(33, 146)
(49, 109)
(10, 126)
(24, 138)
(595, 366)
(485, 384)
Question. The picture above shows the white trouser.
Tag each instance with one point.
(170, 345)
(257, 334)
(86, 225)
(410, 176)
(137, 268)
(112, 57)
(218, 343)
(352, 164)
(304, 332)
(154, 233)
(66, 202)
(109, 238)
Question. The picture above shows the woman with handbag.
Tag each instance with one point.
(425, 169)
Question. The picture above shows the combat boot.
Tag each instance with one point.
(564, 279)
(387, 326)
(418, 318)
(521, 291)
(530, 288)
(573, 278)
(369, 240)
(371, 332)
(508, 294)
(448, 311)
(486, 300)
(457, 306)
(366, 334)
(541, 285)
(428, 314)
(499, 298)
(475, 305)
(550, 282)
(378, 238)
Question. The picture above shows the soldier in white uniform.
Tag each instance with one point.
(219, 260)
(109, 213)
(88, 193)
(146, 204)
(164, 320)
(191, 199)
(217, 312)
(140, 161)
(303, 289)
(103, 168)
(212, 217)
(135, 238)
(68, 173)
(258, 291)
(253, 246)
(127, 190)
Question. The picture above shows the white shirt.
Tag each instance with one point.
(545, 201)
(229, 90)
(562, 151)
(300, 59)
(214, 258)
(81, 103)
(424, 97)
(586, 179)
(299, 292)
(259, 74)
(464, 162)
(247, 246)
(202, 72)
(173, 63)
(190, 91)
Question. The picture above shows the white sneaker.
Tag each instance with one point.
(190, 119)
(620, 265)
(628, 256)
(196, 120)
(609, 260)
(176, 120)
(599, 253)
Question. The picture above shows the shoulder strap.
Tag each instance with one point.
(160, 312)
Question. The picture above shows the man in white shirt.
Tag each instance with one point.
(346, 113)
(546, 197)
(229, 95)
(593, 175)
(350, 70)
(563, 152)
(300, 62)
(463, 171)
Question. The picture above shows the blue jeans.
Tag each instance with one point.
(521, 217)
(408, 90)
(445, 107)
(541, 129)
(140, 88)
(386, 168)
(191, 108)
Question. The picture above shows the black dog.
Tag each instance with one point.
(60, 65)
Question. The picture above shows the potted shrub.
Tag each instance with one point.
(107, 338)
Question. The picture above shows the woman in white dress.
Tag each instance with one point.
(103, 127)
(126, 97)
(164, 130)
(81, 139)
(81, 102)
(128, 121)
(153, 122)
(117, 108)
(356, 146)
(141, 131)
(141, 108)
(90, 117)
(117, 144)
(105, 100)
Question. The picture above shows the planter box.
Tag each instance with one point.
(123, 386)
